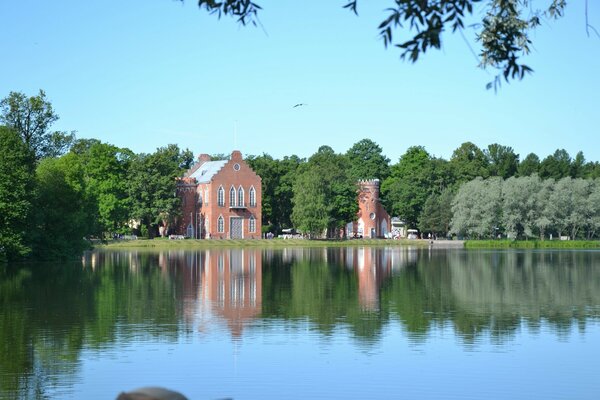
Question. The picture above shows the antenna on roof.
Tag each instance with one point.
(235, 134)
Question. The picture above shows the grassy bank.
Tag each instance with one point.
(532, 244)
(258, 243)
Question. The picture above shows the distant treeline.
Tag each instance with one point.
(56, 190)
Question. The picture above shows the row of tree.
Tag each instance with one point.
(527, 207)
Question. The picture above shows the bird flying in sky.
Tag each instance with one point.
(299, 105)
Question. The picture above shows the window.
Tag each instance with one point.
(200, 198)
(232, 197)
(252, 197)
(206, 196)
(220, 197)
(220, 224)
(252, 224)
(240, 197)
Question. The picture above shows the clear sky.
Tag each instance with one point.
(146, 73)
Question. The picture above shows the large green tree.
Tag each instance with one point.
(502, 160)
(277, 180)
(62, 213)
(16, 190)
(468, 162)
(367, 161)
(324, 194)
(413, 179)
(529, 165)
(503, 27)
(32, 118)
(105, 169)
(152, 182)
(556, 166)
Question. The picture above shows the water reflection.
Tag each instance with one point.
(50, 313)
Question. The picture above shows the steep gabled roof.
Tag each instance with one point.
(207, 171)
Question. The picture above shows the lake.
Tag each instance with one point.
(326, 323)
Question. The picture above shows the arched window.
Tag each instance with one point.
(252, 224)
(252, 197)
(232, 197)
(221, 196)
(220, 224)
(200, 198)
(240, 197)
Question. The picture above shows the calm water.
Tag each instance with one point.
(305, 323)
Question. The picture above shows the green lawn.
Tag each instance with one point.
(263, 243)
(532, 244)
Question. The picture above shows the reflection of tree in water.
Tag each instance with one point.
(50, 312)
(497, 292)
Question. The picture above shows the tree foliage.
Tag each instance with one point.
(105, 171)
(62, 213)
(16, 191)
(152, 185)
(527, 207)
(277, 180)
(32, 118)
(367, 161)
(413, 179)
(324, 194)
(502, 160)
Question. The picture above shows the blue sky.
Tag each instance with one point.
(146, 73)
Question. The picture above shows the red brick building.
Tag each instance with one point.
(372, 219)
(220, 200)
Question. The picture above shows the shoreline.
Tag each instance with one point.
(161, 243)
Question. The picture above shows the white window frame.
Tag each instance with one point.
(240, 196)
(252, 224)
(232, 197)
(252, 196)
(221, 224)
(221, 196)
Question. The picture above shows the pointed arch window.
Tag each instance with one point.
(252, 197)
(232, 197)
(220, 224)
(221, 196)
(240, 197)
(252, 224)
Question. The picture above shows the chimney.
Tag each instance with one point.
(202, 158)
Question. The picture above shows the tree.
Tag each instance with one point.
(502, 160)
(503, 32)
(62, 215)
(32, 118)
(152, 182)
(556, 166)
(367, 161)
(105, 170)
(323, 183)
(411, 182)
(477, 208)
(16, 191)
(310, 213)
(469, 162)
(437, 213)
(529, 166)
(277, 180)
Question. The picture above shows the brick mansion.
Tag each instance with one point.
(220, 200)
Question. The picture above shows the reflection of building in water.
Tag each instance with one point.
(372, 267)
(232, 284)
